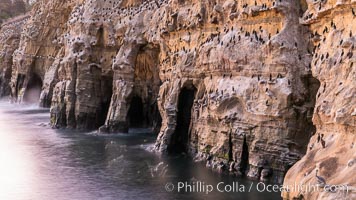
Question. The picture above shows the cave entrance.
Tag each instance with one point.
(33, 89)
(143, 109)
(19, 85)
(106, 94)
(100, 36)
(143, 114)
(306, 126)
(136, 115)
(180, 137)
(244, 157)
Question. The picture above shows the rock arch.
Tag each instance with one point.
(136, 87)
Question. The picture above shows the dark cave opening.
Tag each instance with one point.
(5, 79)
(244, 157)
(143, 114)
(19, 83)
(180, 137)
(313, 84)
(136, 116)
(106, 94)
(100, 36)
(230, 154)
(156, 119)
(306, 117)
(33, 89)
(143, 109)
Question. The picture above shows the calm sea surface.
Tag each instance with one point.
(41, 163)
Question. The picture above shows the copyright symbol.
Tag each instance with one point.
(169, 187)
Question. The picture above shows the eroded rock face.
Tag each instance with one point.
(332, 149)
(36, 61)
(229, 82)
(10, 33)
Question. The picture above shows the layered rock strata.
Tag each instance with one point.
(331, 152)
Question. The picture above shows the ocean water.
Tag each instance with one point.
(41, 163)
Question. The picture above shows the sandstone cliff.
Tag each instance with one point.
(333, 35)
(234, 83)
(10, 34)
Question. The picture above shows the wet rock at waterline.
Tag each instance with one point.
(244, 86)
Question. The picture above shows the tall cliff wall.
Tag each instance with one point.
(10, 34)
(333, 34)
(234, 83)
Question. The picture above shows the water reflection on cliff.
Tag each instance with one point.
(37, 162)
